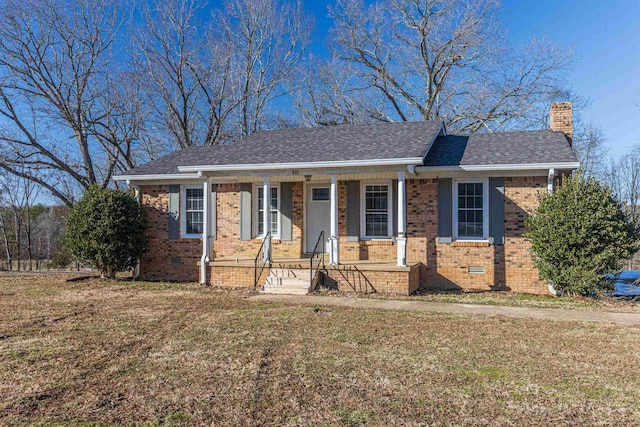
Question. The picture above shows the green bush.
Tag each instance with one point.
(579, 234)
(107, 229)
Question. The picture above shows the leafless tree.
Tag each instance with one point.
(210, 80)
(623, 175)
(589, 144)
(62, 116)
(446, 59)
(328, 96)
(268, 38)
(185, 74)
(18, 196)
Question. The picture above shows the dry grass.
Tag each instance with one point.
(513, 299)
(100, 353)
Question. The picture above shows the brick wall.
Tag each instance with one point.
(507, 266)
(228, 243)
(166, 259)
(393, 281)
(236, 276)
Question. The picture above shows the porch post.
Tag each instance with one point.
(266, 203)
(334, 258)
(206, 193)
(402, 221)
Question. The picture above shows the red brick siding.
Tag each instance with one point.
(156, 264)
(508, 266)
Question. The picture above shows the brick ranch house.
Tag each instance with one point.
(396, 207)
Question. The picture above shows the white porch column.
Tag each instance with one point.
(266, 203)
(206, 242)
(334, 258)
(552, 175)
(401, 239)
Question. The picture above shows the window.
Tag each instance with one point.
(274, 211)
(320, 194)
(376, 210)
(470, 214)
(192, 211)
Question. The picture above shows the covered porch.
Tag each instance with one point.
(354, 219)
(351, 276)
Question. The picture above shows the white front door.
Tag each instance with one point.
(318, 214)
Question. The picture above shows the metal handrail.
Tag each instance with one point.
(320, 261)
(260, 261)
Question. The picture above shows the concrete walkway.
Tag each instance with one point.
(580, 315)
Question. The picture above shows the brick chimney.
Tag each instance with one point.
(561, 119)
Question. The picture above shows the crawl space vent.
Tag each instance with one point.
(475, 270)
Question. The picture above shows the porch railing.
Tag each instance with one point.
(262, 259)
(316, 262)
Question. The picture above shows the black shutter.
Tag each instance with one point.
(394, 207)
(174, 212)
(445, 217)
(245, 211)
(213, 230)
(353, 211)
(496, 210)
(286, 189)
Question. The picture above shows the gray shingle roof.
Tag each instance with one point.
(369, 142)
(525, 147)
(322, 144)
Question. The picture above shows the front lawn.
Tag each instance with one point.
(165, 354)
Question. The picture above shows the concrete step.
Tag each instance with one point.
(267, 289)
(290, 272)
(287, 282)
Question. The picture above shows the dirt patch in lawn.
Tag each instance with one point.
(103, 353)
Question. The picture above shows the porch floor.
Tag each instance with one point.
(283, 262)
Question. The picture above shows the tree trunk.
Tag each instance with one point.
(5, 240)
(18, 238)
(108, 272)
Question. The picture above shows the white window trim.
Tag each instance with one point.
(320, 186)
(485, 209)
(183, 211)
(363, 209)
(254, 207)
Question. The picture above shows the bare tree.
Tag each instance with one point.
(623, 175)
(589, 144)
(212, 80)
(64, 119)
(329, 96)
(185, 73)
(446, 59)
(19, 195)
(268, 38)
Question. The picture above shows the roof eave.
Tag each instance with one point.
(501, 167)
(156, 176)
(302, 165)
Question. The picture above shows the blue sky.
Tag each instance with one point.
(605, 36)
